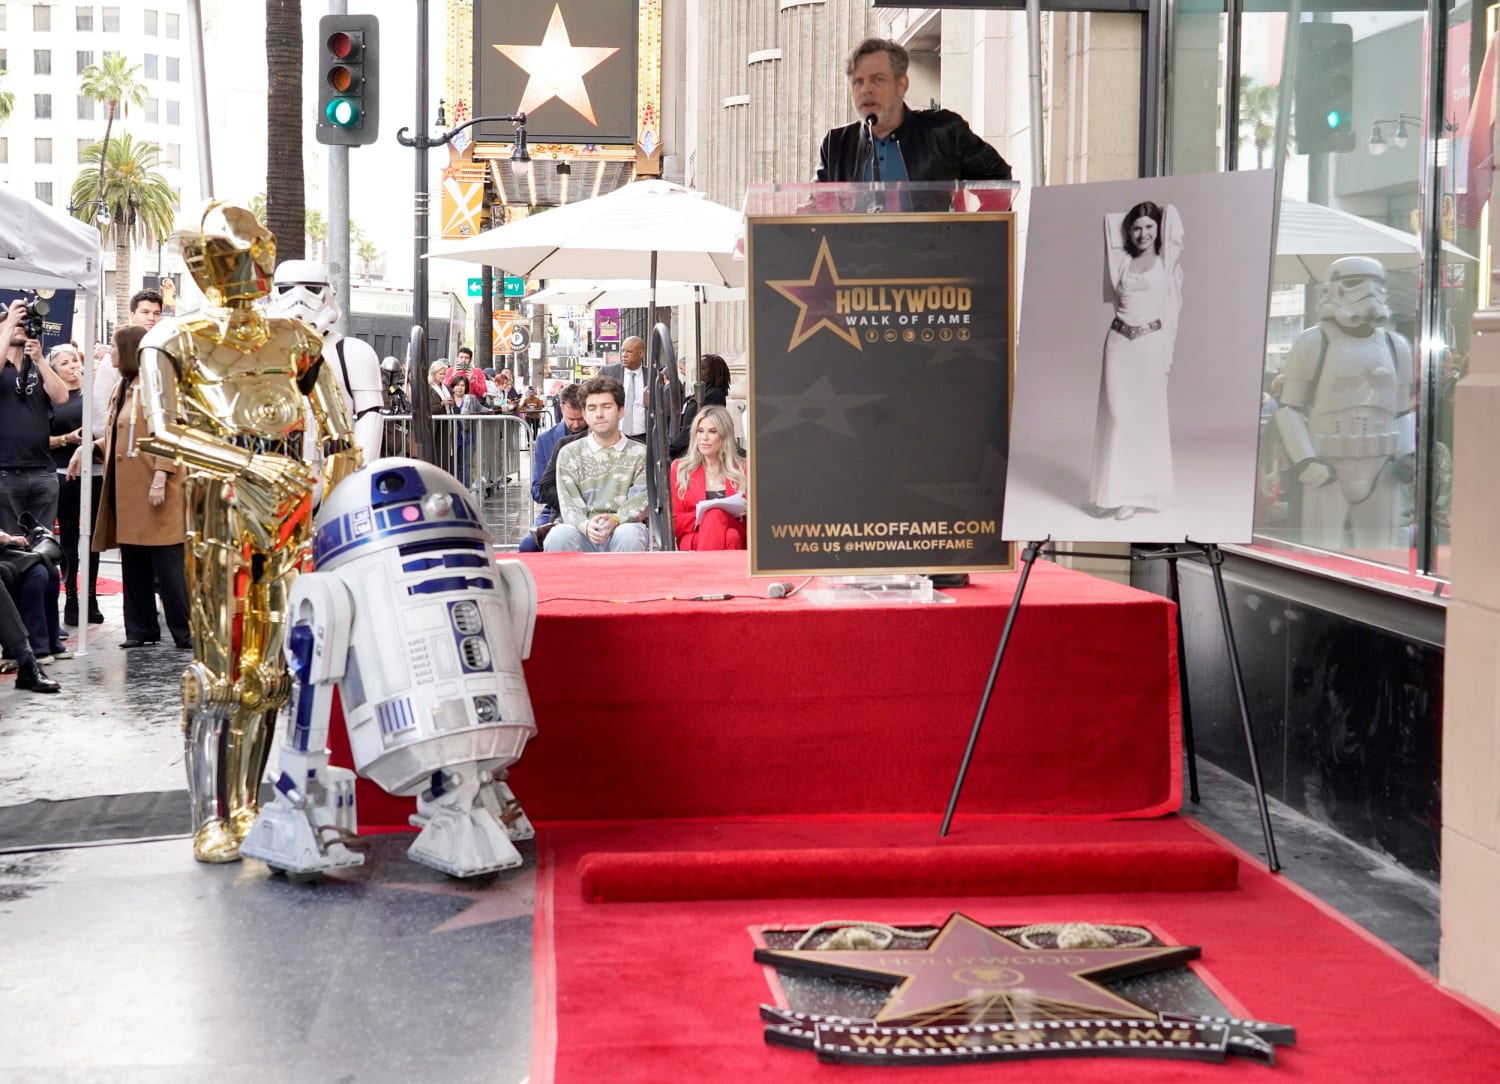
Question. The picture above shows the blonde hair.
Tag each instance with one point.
(730, 463)
(436, 372)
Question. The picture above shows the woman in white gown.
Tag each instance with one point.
(1132, 468)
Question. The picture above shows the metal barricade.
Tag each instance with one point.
(483, 451)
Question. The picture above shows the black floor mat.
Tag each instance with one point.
(45, 824)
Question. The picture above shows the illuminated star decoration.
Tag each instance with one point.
(556, 68)
(816, 301)
(970, 974)
(818, 405)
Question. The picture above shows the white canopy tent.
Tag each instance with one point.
(42, 248)
(630, 293)
(1310, 237)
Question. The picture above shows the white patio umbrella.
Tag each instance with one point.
(630, 293)
(649, 230)
(1311, 237)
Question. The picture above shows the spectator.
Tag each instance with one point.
(630, 373)
(31, 580)
(601, 481)
(544, 464)
(29, 673)
(505, 393)
(145, 310)
(464, 402)
(711, 470)
(141, 510)
(714, 372)
(29, 390)
(464, 364)
(531, 407)
(67, 432)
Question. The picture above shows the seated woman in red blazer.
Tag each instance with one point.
(711, 468)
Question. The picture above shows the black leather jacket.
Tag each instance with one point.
(936, 145)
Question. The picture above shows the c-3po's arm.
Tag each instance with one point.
(307, 827)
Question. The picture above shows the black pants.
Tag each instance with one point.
(139, 567)
(13, 630)
(69, 499)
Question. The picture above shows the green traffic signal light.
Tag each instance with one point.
(342, 113)
(1334, 119)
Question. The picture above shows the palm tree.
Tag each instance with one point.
(316, 229)
(7, 102)
(113, 82)
(141, 205)
(258, 207)
(285, 198)
(368, 252)
(1258, 115)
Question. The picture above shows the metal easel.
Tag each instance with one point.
(1209, 551)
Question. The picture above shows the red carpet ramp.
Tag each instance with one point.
(657, 992)
(1013, 869)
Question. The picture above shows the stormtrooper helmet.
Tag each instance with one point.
(1355, 294)
(302, 291)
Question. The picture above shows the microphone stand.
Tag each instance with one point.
(876, 203)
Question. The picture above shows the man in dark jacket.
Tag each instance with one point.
(900, 144)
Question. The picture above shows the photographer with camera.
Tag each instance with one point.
(28, 391)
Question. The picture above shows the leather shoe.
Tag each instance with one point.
(34, 679)
(133, 642)
(96, 617)
(70, 612)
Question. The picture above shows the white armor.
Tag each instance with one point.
(302, 291)
(1346, 416)
(423, 632)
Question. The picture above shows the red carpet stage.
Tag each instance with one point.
(668, 991)
(651, 706)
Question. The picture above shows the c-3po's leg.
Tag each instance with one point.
(214, 735)
(237, 682)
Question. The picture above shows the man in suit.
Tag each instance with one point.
(631, 374)
(901, 144)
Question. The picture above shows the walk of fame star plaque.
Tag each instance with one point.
(973, 994)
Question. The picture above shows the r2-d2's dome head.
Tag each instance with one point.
(303, 292)
(402, 508)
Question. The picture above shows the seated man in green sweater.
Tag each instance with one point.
(601, 480)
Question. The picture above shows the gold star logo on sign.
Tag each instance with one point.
(556, 68)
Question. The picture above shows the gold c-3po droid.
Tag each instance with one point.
(227, 393)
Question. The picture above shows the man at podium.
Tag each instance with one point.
(893, 143)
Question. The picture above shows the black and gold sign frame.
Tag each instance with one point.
(882, 356)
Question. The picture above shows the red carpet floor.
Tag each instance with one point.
(669, 992)
(650, 706)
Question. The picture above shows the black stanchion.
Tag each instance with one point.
(1215, 558)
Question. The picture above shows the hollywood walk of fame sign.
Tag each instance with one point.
(569, 65)
(974, 994)
(881, 351)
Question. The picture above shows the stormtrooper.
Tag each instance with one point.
(1346, 418)
(423, 633)
(302, 291)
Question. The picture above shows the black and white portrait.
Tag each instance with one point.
(1137, 405)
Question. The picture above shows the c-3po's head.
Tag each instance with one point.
(229, 253)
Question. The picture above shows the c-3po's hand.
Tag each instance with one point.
(273, 493)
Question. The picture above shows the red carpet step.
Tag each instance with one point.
(997, 870)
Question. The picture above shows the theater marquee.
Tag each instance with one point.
(880, 378)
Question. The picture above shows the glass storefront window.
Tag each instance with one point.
(1355, 461)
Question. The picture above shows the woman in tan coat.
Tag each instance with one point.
(141, 511)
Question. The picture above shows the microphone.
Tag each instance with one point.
(779, 590)
(870, 142)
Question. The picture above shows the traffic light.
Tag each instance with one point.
(1325, 88)
(348, 80)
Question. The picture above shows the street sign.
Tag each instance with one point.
(515, 286)
(476, 287)
(520, 338)
(503, 321)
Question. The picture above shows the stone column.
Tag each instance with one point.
(1469, 956)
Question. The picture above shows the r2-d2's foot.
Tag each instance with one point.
(296, 834)
(461, 840)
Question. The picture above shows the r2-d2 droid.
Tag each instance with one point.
(423, 633)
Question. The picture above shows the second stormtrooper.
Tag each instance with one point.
(303, 292)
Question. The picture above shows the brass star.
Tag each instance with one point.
(816, 301)
(971, 974)
(556, 68)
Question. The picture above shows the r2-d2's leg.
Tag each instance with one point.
(310, 824)
(462, 815)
